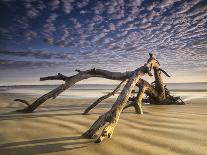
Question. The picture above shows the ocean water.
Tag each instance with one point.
(186, 91)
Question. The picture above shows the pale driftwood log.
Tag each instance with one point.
(70, 81)
(149, 90)
(144, 88)
(94, 104)
(163, 96)
(112, 116)
(159, 85)
(137, 101)
(157, 92)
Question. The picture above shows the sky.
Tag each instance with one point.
(44, 37)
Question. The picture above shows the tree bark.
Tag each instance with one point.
(70, 81)
(112, 116)
(159, 85)
(138, 100)
(157, 94)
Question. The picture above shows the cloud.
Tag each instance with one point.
(67, 7)
(66, 34)
(97, 19)
(32, 13)
(48, 39)
(49, 26)
(14, 64)
(83, 3)
(31, 10)
(98, 37)
(98, 8)
(115, 30)
(30, 35)
(38, 55)
(168, 3)
(54, 4)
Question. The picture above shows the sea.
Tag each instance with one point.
(186, 91)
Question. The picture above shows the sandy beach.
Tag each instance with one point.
(61, 56)
(56, 128)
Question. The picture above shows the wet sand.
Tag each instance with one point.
(55, 128)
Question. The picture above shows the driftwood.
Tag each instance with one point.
(112, 116)
(156, 93)
(103, 98)
(70, 81)
(22, 101)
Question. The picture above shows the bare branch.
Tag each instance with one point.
(22, 101)
(103, 98)
(164, 72)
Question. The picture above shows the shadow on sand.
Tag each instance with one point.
(51, 145)
(45, 111)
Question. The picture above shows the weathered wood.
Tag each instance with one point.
(103, 98)
(88, 74)
(156, 93)
(149, 90)
(138, 100)
(70, 81)
(153, 94)
(112, 116)
(159, 85)
(52, 94)
(144, 88)
(22, 101)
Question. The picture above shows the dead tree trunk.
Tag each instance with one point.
(157, 94)
(112, 116)
(70, 81)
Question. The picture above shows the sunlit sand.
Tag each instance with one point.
(56, 128)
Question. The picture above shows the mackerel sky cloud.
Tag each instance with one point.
(62, 35)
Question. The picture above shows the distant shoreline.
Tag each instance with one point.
(37, 85)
